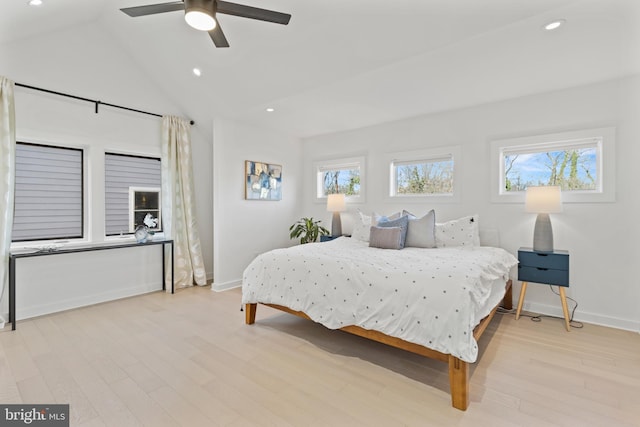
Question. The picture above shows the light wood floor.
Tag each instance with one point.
(188, 360)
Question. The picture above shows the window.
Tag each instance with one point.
(144, 208)
(424, 173)
(571, 165)
(580, 162)
(132, 190)
(340, 176)
(422, 177)
(48, 193)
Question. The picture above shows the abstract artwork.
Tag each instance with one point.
(263, 181)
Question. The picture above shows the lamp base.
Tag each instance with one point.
(336, 224)
(543, 234)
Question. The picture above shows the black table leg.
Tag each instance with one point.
(12, 292)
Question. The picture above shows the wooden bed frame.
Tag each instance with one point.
(458, 369)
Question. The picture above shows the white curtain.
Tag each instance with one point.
(7, 177)
(178, 203)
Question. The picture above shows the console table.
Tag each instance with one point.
(87, 248)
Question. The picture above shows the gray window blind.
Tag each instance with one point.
(121, 173)
(48, 193)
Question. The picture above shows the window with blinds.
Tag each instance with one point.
(132, 192)
(48, 193)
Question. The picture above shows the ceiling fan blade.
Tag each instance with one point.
(152, 9)
(218, 37)
(253, 12)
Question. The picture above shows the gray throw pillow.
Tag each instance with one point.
(385, 237)
(421, 232)
(402, 222)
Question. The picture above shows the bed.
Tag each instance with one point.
(434, 302)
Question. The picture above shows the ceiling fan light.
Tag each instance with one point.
(199, 14)
(200, 20)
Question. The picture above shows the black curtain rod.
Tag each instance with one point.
(93, 101)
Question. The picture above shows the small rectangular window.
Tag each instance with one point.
(426, 173)
(573, 166)
(341, 180)
(48, 193)
(581, 162)
(344, 176)
(144, 208)
(132, 190)
(423, 177)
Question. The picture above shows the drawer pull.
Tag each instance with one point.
(543, 269)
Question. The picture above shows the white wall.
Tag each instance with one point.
(601, 237)
(84, 61)
(246, 228)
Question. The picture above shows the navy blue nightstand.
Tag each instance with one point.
(550, 268)
(328, 238)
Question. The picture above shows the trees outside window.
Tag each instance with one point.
(571, 169)
(433, 176)
(426, 173)
(341, 181)
(340, 176)
(581, 163)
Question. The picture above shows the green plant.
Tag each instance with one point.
(307, 230)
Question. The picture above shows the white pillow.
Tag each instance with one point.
(458, 232)
(361, 227)
(421, 231)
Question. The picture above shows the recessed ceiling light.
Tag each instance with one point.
(35, 2)
(197, 72)
(554, 24)
(270, 110)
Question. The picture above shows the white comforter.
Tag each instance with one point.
(430, 297)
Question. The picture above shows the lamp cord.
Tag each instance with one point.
(538, 317)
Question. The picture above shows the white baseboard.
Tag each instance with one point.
(225, 286)
(581, 316)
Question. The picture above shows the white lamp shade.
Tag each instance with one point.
(336, 203)
(544, 199)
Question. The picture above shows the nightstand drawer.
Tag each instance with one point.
(555, 261)
(547, 276)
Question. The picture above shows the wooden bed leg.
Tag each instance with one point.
(507, 302)
(250, 313)
(459, 383)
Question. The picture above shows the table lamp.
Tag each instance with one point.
(336, 203)
(543, 201)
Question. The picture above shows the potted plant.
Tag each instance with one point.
(307, 230)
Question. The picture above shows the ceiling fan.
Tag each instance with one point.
(201, 15)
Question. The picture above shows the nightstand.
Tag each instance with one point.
(328, 238)
(551, 268)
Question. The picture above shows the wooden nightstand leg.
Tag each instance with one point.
(523, 291)
(565, 309)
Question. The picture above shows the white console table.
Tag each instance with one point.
(95, 247)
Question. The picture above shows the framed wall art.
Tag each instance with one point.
(263, 181)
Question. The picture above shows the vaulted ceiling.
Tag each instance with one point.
(345, 64)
